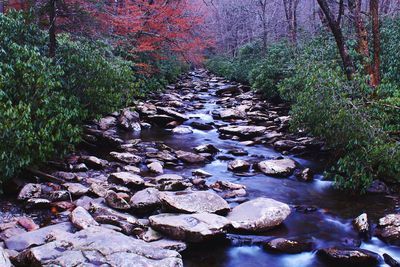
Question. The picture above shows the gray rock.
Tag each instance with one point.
(305, 175)
(258, 215)
(197, 227)
(349, 256)
(172, 113)
(146, 200)
(190, 157)
(156, 167)
(238, 165)
(126, 157)
(114, 200)
(168, 177)
(182, 130)
(103, 246)
(4, 259)
(232, 113)
(194, 202)
(164, 243)
(30, 191)
(38, 237)
(206, 148)
(361, 224)
(201, 173)
(107, 122)
(76, 189)
(228, 89)
(129, 120)
(126, 178)
(288, 246)
(388, 229)
(243, 131)
(286, 145)
(81, 219)
(94, 162)
(278, 167)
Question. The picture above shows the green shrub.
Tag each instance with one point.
(37, 121)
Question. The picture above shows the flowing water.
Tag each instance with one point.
(329, 225)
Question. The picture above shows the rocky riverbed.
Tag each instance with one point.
(203, 174)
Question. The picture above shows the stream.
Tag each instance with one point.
(320, 214)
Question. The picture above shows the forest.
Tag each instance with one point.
(200, 133)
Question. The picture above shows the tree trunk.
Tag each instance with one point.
(52, 28)
(336, 30)
(291, 18)
(376, 38)
(362, 36)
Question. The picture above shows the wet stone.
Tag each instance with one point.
(30, 191)
(279, 167)
(126, 178)
(126, 157)
(349, 256)
(146, 200)
(238, 165)
(283, 245)
(81, 219)
(116, 201)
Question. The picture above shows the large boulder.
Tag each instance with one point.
(129, 120)
(103, 246)
(388, 229)
(349, 257)
(258, 215)
(278, 167)
(282, 245)
(197, 227)
(194, 202)
(232, 113)
(30, 191)
(182, 130)
(243, 131)
(38, 237)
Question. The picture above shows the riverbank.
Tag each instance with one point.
(205, 146)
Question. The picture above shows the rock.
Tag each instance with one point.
(228, 89)
(173, 186)
(206, 148)
(190, 157)
(129, 120)
(37, 203)
(94, 162)
(99, 189)
(288, 246)
(225, 185)
(76, 189)
(114, 200)
(238, 152)
(361, 224)
(243, 131)
(172, 113)
(194, 202)
(37, 237)
(156, 167)
(197, 227)
(146, 200)
(232, 113)
(30, 191)
(150, 235)
(305, 175)
(285, 145)
(201, 173)
(126, 178)
(182, 130)
(201, 126)
(98, 246)
(390, 261)
(4, 259)
(388, 229)
(278, 167)
(59, 195)
(161, 120)
(349, 256)
(258, 215)
(81, 219)
(28, 224)
(238, 165)
(378, 187)
(107, 122)
(126, 157)
(176, 245)
(168, 177)
(132, 169)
